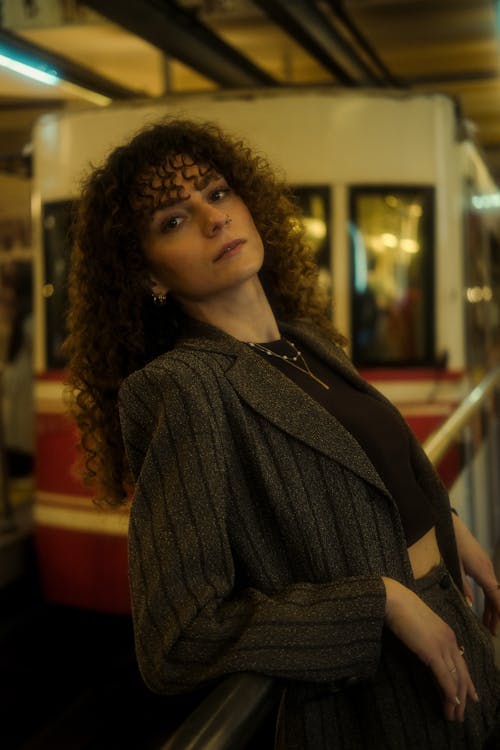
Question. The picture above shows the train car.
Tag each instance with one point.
(403, 216)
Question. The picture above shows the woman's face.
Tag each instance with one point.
(200, 241)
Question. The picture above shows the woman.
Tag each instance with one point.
(284, 520)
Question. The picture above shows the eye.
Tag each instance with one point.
(219, 193)
(170, 224)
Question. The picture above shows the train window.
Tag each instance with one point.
(481, 277)
(391, 232)
(56, 222)
(314, 202)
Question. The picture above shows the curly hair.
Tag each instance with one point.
(113, 326)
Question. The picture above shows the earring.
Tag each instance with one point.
(228, 220)
(159, 300)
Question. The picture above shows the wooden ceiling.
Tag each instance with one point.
(130, 48)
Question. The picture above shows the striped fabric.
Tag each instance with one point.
(259, 528)
(401, 707)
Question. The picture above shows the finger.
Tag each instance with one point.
(450, 710)
(457, 685)
(461, 675)
(465, 685)
(471, 689)
(446, 674)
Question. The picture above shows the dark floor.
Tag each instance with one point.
(69, 681)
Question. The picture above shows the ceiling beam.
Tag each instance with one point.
(341, 14)
(179, 34)
(32, 54)
(312, 29)
(458, 76)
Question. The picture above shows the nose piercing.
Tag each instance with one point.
(228, 220)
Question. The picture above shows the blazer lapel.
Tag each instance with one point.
(270, 393)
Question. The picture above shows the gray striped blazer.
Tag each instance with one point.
(259, 529)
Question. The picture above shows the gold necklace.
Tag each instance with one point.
(292, 360)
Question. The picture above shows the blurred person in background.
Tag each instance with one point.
(17, 376)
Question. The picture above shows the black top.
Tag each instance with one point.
(377, 428)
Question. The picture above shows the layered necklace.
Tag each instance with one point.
(294, 360)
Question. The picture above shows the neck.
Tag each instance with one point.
(244, 314)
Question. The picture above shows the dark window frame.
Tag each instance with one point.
(54, 251)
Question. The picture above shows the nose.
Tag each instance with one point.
(214, 220)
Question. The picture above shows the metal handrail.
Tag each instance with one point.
(229, 714)
(440, 441)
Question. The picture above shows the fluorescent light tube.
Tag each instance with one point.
(28, 70)
(52, 79)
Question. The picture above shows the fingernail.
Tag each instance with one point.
(476, 697)
(458, 701)
(468, 600)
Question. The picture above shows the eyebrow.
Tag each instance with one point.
(174, 201)
(165, 205)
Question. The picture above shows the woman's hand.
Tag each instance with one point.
(434, 642)
(476, 563)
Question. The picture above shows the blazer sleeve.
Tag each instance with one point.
(192, 624)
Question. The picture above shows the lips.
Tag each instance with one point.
(228, 248)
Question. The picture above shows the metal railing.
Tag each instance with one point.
(474, 426)
(440, 441)
(228, 717)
